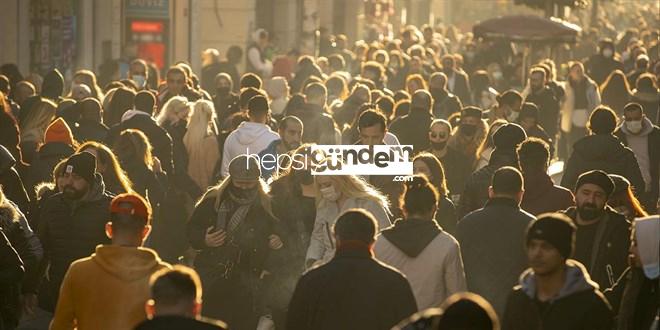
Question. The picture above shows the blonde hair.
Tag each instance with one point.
(133, 143)
(106, 156)
(201, 125)
(33, 126)
(352, 186)
(173, 106)
(89, 79)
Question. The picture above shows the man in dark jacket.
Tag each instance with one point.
(506, 139)
(52, 87)
(225, 101)
(11, 273)
(444, 103)
(555, 293)
(72, 223)
(353, 290)
(492, 238)
(602, 151)
(11, 182)
(141, 119)
(541, 194)
(411, 128)
(314, 114)
(600, 65)
(457, 81)
(643, 137)
(544, 98)
(175, 302)
(90, 125)
(603, 235)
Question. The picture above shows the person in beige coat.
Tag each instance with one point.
(201, 141)
(428, 256)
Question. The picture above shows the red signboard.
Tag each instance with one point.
(146, 27)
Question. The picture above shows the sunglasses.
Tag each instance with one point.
(439, 135)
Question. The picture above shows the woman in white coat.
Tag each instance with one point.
(428, 256)
(334, 195)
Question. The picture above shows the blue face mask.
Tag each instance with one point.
(139, 80)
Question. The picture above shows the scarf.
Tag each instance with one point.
(240, 205)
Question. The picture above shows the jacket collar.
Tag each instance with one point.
(502, 201)
(353, 249)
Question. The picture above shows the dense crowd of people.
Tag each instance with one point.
(134, 204)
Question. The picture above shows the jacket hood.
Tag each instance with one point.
(249, 132)
(7, 160)
(647, 128)
(577, 280)
(601, 147)
(8, 215)
(126, 263)
(53, 85)
(411, 236)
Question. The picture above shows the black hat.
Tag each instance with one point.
(598, 178)
(244, 167)
(471, 112)
(529, 110)
(82, 164)
(556, 229)
(508, 136)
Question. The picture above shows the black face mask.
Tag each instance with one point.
(589, 212)
(304, 176)
(244, 194)
(468, 130)
(438, 145)
(222, 91)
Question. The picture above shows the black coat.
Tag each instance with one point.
(636, 298)
(352, 291)
(89, 130)
(11, 273)
(180, 177)
(458, 169)
(654, 160)
(173, 322)
(145, 182)
(602, 152)
(462, 87)
(446, 215)
(445, 104)
(492, 243)
(11, 182)
(413, 129)
(599, 67)
(609, 250)
(45, 161)
(70, 231)
(548, 105)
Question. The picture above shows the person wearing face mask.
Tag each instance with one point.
(469, 135)
(335, 195)
(542, 95)
(600, 65)
(640, 135)
(508, 107)
(238, 239)
(225, 102)
(139, 73)
(603, 235)
(444, 103)
(457, 166)
(290, 131)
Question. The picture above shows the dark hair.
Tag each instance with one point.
(4, 84)
(315, 90)
(509, 97)
(401, 108)
(421, 99)
(295, 105)
(170, 287)
(602, 120)
(401, 95)
(258, 106)
(633, 106)
(539, 69)
(145, 101)
(646, 83)
(234, 54)
(507, 181)
(336, 62)
(250, 80)
(177, 69)
(284, 122)
(247, 94)
(386, 105)
(438, 179)
(533, 155)
(356, 225)
(371, 118)
(420, 196)
(467, 311)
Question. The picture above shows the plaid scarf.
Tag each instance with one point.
(240, 204)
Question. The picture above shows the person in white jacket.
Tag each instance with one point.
(334, 195)
(251, 137)
(428, 256)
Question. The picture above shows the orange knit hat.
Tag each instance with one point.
(59, 131)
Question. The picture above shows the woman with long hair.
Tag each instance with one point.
(115, 179)
(486, 148)
(87, 78)
(615, 91)
(334, 195)
(414, 82)
(345, 113)
(134, 154)
(507, 108)
(201, 142)
(33, 126)
(623, 199)
(427, 164)
(9, 133)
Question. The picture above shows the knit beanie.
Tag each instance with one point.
(59, 131)
(598, 178)
(82, 164)
(556, 229)
(244, 167)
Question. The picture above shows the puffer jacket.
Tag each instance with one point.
(70, 230)
(579, 304)
(322, 245)
(602, 152)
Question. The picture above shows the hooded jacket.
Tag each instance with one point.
(115, 298)
(578, 305)
(53, 86)
(602, 152)
(429, 257)
(11, 182)
(249, 138)
(542, 195)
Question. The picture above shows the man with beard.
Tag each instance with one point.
(603, 235)
(457, 167)
(238, 239)
(72, 224)
(544, 98)
(290, 131)
(444, 103)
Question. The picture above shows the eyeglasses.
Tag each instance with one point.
(438, 135)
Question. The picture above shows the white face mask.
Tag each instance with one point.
(513, 116)
(139, 80)
(608, 53)
(634, 126)
(330, 193)
(497, 75)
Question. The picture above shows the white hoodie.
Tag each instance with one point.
(248, 138)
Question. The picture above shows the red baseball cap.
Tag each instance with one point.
(132, 204)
